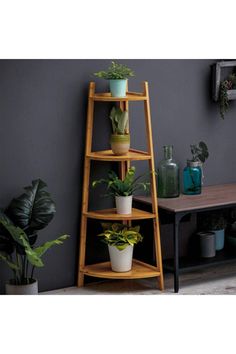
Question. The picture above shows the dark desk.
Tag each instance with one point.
(212, 198)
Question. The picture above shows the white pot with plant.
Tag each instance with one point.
(123, 190)
(120, 139)
(117, 74)
(20, 223)
(120, 240)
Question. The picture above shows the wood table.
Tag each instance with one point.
(212, 198)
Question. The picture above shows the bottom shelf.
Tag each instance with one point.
(139, 270)
(188, 264)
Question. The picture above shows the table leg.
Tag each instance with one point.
(176, 253)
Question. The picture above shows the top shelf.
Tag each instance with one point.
(130, 96)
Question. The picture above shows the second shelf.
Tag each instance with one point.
(111, 214)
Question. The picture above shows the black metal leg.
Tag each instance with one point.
(176, 253)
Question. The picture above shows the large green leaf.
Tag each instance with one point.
(20, 237)
(34, 209)
(5, 258)
(43, 248)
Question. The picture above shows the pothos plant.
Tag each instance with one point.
(228, 84)
(20, 224)
(120, 235)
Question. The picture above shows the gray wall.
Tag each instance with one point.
(43, 113)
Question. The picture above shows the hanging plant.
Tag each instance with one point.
(226, 85)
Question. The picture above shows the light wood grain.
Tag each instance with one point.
(212, 196)
(108, 155)
(139, 270)
(106, 97)
(111, 214)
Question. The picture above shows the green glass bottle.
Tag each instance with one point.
(168, 175)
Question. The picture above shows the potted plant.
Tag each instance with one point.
(123, 190)
(215, 222)
(120, 139)
(20, 223)
(192, 173)
(117, 74)
(120, 240)
(225, 86)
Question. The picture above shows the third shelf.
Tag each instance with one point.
(111, 214)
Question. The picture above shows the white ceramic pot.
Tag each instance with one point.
(28, 289)
(121, 261)
(124, 204)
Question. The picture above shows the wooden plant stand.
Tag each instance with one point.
(139, 269)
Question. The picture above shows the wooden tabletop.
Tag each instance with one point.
(211, 196)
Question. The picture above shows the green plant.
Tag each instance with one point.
(115, 72)
(199, 152)
(228, 84)
(119, 120)
(19, 226)
(128, 186)
(120, 235)
(212, 221)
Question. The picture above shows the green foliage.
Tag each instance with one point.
(199, 152)
(19, 222)
(120, 235)
(115, 72)
(128, 186)
(226, 85)
(212, 221)
(119, 120)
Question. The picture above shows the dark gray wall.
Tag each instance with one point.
(43, 112)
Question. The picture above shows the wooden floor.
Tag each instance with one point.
(216, 280)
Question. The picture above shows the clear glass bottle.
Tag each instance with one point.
(168, 175)
(192, 177)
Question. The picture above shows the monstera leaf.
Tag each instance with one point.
(32, 210)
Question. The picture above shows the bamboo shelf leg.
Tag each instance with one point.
(156, 228)
(85, 197)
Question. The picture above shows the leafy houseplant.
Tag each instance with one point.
(120, 139)
(228, 84)
(123, 190)
(120, 240)
(117, 74)
(215, 222)
(19, 226)
(193, 171)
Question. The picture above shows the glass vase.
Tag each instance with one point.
(168, 175)
(192, 178)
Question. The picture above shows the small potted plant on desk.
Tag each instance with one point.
(123, 190)
(120, 240)
(20, 223)
(120, 139)
(192, 173)
(117, 74)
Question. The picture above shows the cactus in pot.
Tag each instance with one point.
(120, 139)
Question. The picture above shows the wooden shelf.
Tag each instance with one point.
(111, 214)
(139, 270)
(130, 96)
(108, 155)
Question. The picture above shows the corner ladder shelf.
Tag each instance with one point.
(139, 269)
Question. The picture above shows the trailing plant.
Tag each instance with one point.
(19, 226)
(128, 186)
(119, 120)
(115, 72)
(120, 235)
(199, 152)
(228, 84)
